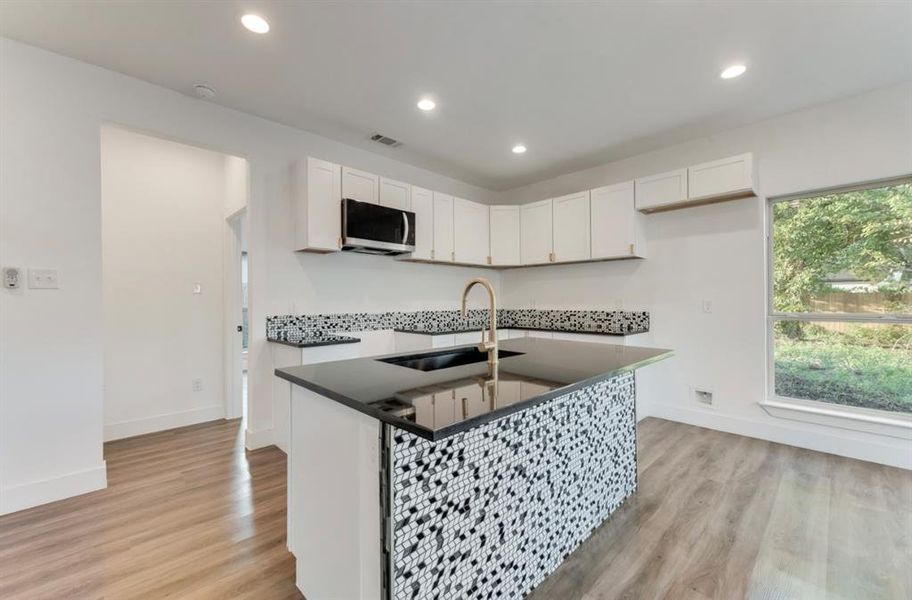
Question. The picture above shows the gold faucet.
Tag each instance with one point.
(489, 345)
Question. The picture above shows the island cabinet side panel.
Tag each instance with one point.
(489, 513)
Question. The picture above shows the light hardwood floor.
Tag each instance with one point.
(189, 514)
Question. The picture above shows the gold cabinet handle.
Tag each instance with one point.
(432, 255)
(453, 256)
(631, 248)
(551, 256)
(489, 260)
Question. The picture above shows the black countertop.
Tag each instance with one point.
(315, 338)
(443, 331)
(401, 396)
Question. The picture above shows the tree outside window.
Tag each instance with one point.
(842, 297)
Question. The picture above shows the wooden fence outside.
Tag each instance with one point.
(861, 302)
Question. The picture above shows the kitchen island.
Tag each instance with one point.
(441, 475)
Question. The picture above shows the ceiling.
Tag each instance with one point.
(579, 83)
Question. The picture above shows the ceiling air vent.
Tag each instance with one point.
(386, 141)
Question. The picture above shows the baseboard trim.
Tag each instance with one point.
(254, 440)
(36, 493)
(125, 429)
(801, 438)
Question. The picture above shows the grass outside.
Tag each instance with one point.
(842, 369)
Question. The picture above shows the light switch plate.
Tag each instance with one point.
(42, 279)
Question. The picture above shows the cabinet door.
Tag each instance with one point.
(728, 177)
(658, 191)
(317, 190)
(470, 232)
(571, 227)
(613, 221)
(467, 337)
(395, 194)
(359, 185)
(505, 248)
(423, 207)
(535, 236)
(443, 228)
(444, 409)
(470, 401)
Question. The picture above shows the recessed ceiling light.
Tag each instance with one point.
(519, 149)
(427, 104)
(733, 71)
(255, 23)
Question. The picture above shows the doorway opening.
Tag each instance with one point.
(173, 230)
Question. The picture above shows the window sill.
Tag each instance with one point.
(858, 419)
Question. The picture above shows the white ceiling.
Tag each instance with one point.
(579, 83)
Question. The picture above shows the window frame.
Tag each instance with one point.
(817, 411)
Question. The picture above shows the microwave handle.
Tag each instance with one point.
(406, 222)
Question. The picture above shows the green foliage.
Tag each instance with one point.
(865, 232)
(869, 367)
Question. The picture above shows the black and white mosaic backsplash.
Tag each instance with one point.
(491, 512)
(284, 327)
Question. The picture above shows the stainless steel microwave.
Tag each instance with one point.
(374, 229)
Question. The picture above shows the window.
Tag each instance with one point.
(840, 301)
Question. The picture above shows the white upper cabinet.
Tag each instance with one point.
(535, 237)
(505, 248)
(395, 194)
(423, 207)
(723, 179)
(443, 228)
(616, 226)
(571, 227)
(470, 232)
(663, 190)
(359, 185)
(318, 196)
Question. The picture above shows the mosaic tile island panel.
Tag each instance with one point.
(491, 512)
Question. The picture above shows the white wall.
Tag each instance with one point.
(163, 225)
(52, 109)
(717, 253)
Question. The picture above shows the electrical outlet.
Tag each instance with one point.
(708, 306)
(703, 397)
(197, 385)
(197, 288)
(12, 277)
(42, 279)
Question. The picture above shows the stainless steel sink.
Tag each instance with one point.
(444, 359)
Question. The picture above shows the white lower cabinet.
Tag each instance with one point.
(289, 356)
(468, 337)
(533, 333)
(416, 342)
